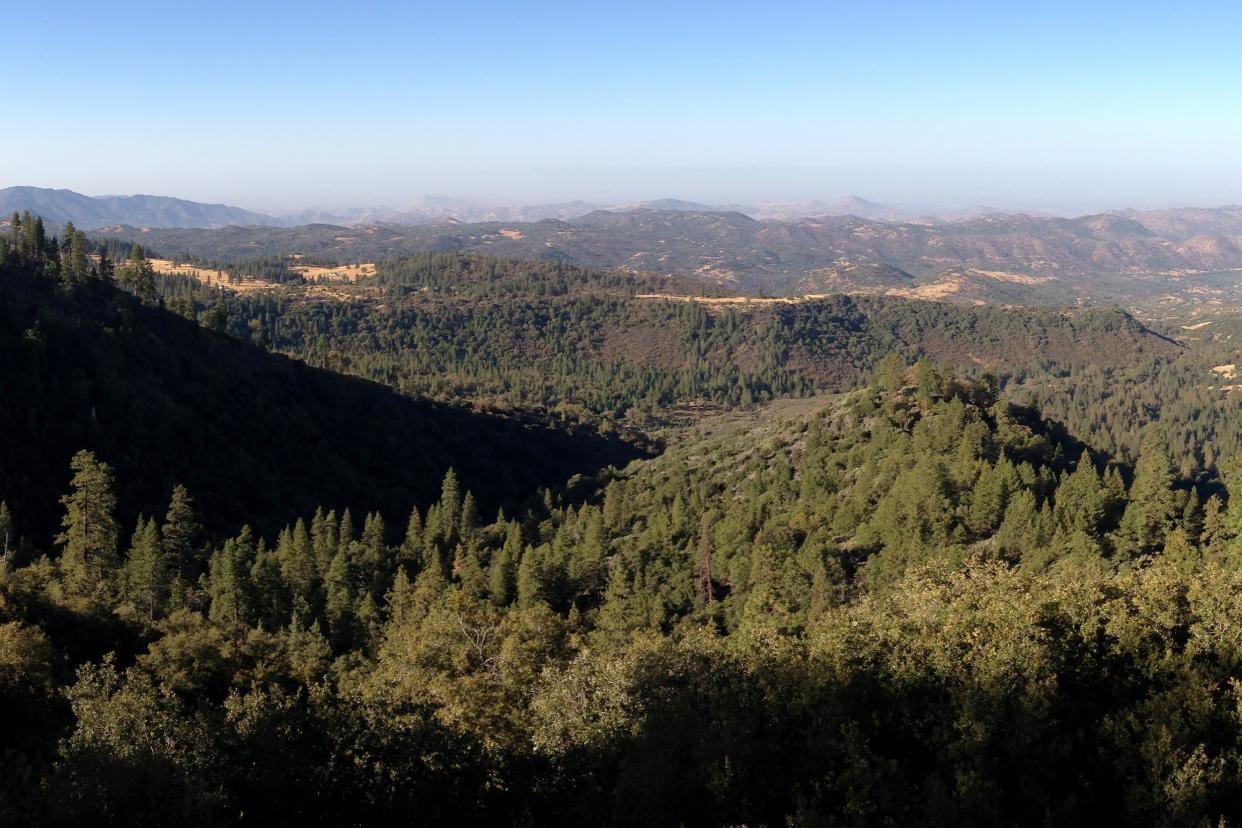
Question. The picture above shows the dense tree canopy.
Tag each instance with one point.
(918, 600)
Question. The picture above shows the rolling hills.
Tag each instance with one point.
(545, 334)
(90, 212)
(1105, 257)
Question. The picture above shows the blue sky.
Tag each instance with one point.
(276, 105)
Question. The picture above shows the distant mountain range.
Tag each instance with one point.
(852, 245)
(995, 258)
(89, 212)
(431, 209)
(92, 212)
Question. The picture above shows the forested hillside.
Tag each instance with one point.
(515, 334)
(236, 588)
(915, 586)
(256, 437)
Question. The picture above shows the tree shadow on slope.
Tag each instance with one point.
(256, 437)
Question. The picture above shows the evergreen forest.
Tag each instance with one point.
(500, 542)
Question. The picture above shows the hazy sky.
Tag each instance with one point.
(1015, 104)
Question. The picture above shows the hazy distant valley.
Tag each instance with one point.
(1191, 254)
(1127, 256)
(513, 512)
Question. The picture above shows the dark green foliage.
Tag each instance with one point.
(254, 437)
(916, 603)
(587, 343)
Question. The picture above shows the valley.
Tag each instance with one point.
(999, 259)
(814, 415)
(556, 523)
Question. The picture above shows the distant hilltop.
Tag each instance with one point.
(90, 212)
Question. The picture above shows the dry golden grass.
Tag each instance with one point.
(312, 273)
(936, 290)
(1016, 278)
(726, 301)
(956, 282)
(341, 273)
(207, 276)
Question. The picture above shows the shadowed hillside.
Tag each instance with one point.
(255, 437)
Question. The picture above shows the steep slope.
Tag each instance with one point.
(254, 436)
(90, 212)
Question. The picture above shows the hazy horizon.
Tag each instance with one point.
(913, 202)
(278, 107)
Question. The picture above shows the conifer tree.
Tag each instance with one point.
(503, 579)
(470, 575)
(181, 534)
(106, 270)
(429, 586)
(1021, 532)
(1081, 500)
(1192, 515)
(412, 544)
(614, 504)
(297, 563)
(339, 605)
(990, 495)
(89, 536)
(373, 552)
(890, 375)
(76, 265)
(588, 568)
(1215, 535)
(345, 535)
(324, 538)
(1150, 511)
(138, 276)
(468, 523)
(272, 599)
(229, 580)
(1179, 551)
(927, 384)
(435, 536)
(450, 502)
(400, 599)
(145, 571)
(529, 579)
(622, 610)
(31, 247)
(368, 623)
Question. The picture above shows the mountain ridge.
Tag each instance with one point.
(1110, 256)
(91, 212)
